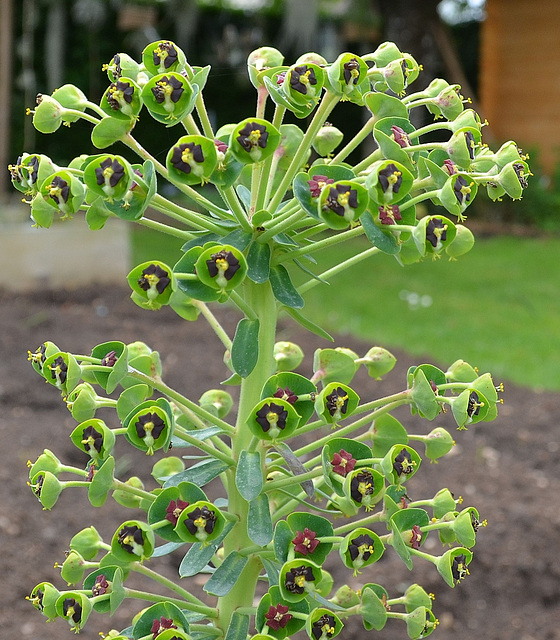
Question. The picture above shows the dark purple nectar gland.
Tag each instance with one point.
(154, 280)
(253, 136)
(351, 71)
(131, 539)
(436, 232)
(459, 569)
(36, 599)
(297, 578)
(222, 265)
(109, 173)
(119, 96)
(473, 405)
(337, 403)
(272, 418)
(161, 624)
(286, 394)
(277, 617)
(360, 549)
(92, 441)
(415, 537)
(324, 627)
(305, 541)
(110, 359)
(520, 173)
(342, 463)
(72, 611)
(340, 199)
(101, 586)
(59, 371)
(186, 156)
(200, 522)
(462, 190)
(400, 136)
(317, 183)
(174, 510)
(302, 78)
(390, 179)
(149, 428)
(168, 91)
(403, 463)
(362, 488)
(471, 143)
(166, 54)
(59, 190)
(389, 214)
(450, 167)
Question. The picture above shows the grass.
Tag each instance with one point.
(497, 307)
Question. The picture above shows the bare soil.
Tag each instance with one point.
(507, 469)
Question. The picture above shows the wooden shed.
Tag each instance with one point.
(519, 83)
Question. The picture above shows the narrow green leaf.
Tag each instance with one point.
(282, 538)
(308, 324)
(226, 575)
(199, 474)
(165, 549)
(238, 626)
(272, 571)
(296, 467)
(244, 195)
(245, 347)
(384, 242)
(200, 77)
(259, 522)
(199, 555)
(248, 476)
(258, 262)
(283, 288)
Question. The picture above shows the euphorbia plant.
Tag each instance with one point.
(308, 469)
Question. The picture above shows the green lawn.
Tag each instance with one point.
(497, 307)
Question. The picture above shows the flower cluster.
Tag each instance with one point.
(306, 467)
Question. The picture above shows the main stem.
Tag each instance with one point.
(260, 299)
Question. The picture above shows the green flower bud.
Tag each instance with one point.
(327, 139)
(260, 60)
(167, 467)
(461, 371)
(70, 97)
(48, 114)
(127, 499)
(313, 58)
(378, 362)
(82, 402)
(442, 503)
(217, 400)
(73, 568)
(345, 597)
(334, 365)
(438, 443)
(47, 461)
(288, 355)
(47, 488)
(87, 543)
(462, 243)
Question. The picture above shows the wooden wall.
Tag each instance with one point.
(519, 83)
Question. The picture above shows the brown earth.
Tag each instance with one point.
(507, 469)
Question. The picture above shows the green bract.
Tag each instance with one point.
(169, 97)
(152, 284)
(221, 267)
(122, 99)
(192, 159)
(63, 191)
(133, 541)
(94, 438)
(253, 140)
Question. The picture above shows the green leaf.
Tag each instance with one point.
(259, 522)
(283, 288)
(373, 610)
(199, 555)
(423, 396)
(258, 262)
(248, 476)
(282, 538)
(244, 195)
(109, 131)
(272, 571)
(296, 467)
(226, 575)
(385, 242)
(238, 626)
(308, 324)
(199, 474)
(166, 549)
(102, 483)
(245, 347)
(118, 592)
(199, 434)
(130, 398)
